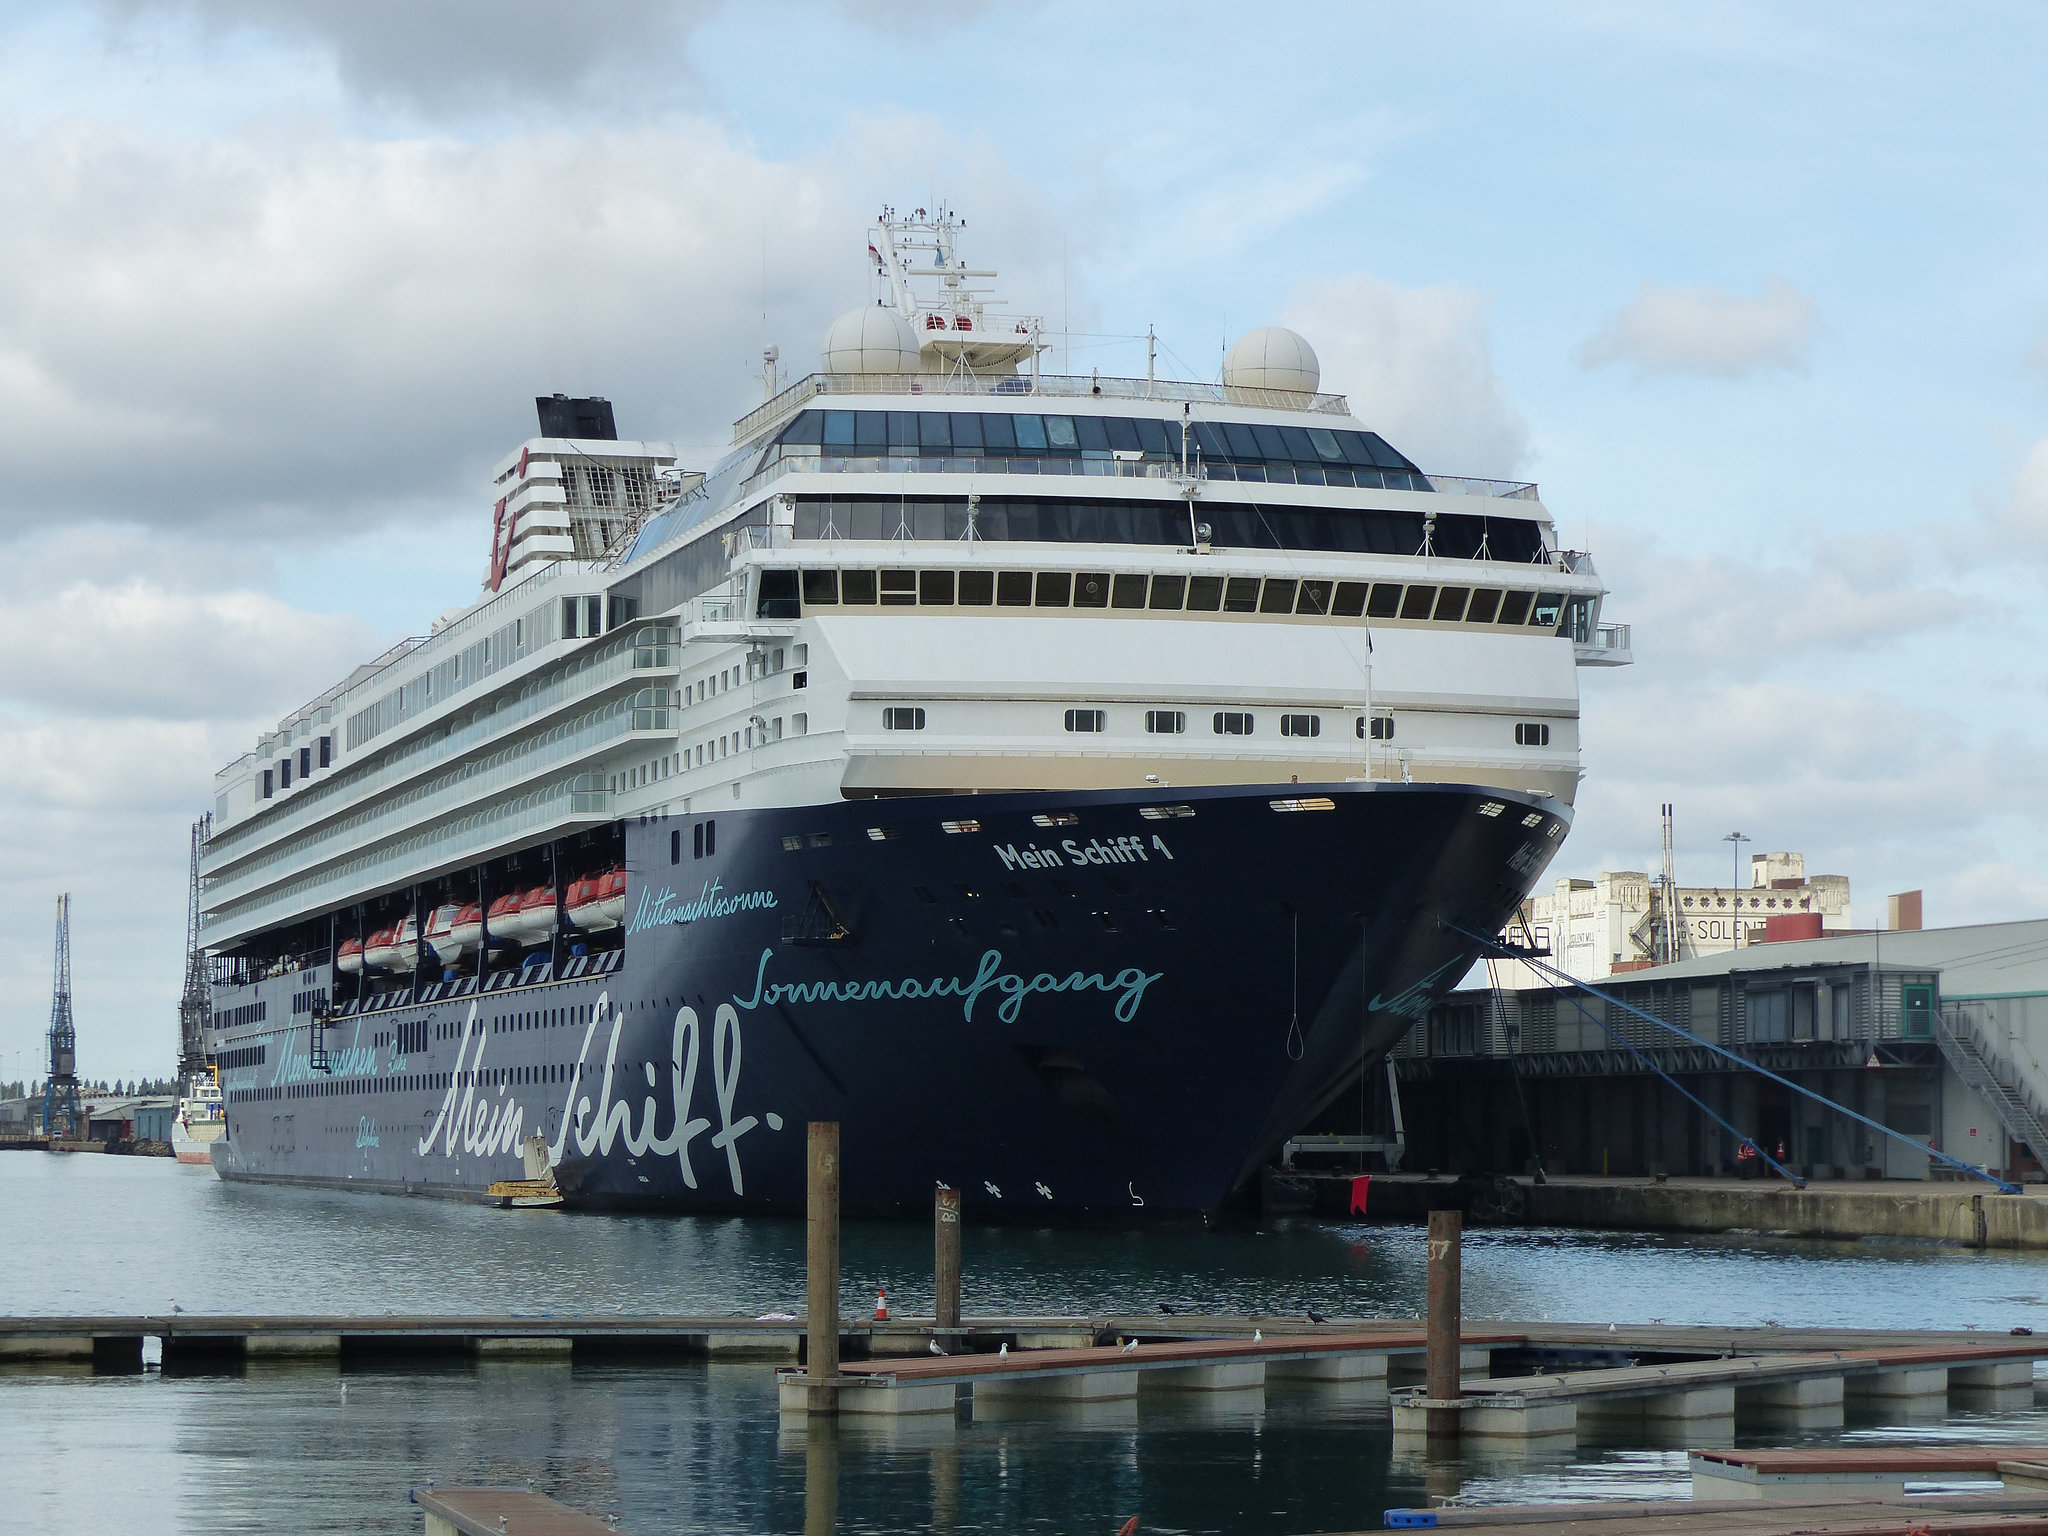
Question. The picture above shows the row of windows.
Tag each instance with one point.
(1224, 722)
(1222, 525)
(319, 753)
(787, 594)
(242, 1056)
(238, 1018)
(946, 434)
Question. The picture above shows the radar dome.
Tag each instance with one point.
(872, 340)
(1272, 357)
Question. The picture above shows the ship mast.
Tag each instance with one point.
(62, 1118)
(194, 1003)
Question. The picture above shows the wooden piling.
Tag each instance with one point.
(821, 1327)
(946, 1255)
(821, 1473)
(1445, 1347)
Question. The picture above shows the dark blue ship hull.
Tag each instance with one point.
(1106, 1003)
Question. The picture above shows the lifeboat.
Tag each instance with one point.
(405, 945)
(537, 915)
(349, 958)
(611, 897)
(467, 928)
(380, 950)
(441, 934)
(581, 903)
(505, 920)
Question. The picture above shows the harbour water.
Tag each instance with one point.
(686, 1445)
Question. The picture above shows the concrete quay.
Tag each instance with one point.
(1973, 1215)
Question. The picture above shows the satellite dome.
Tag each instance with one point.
(875, 339)
(1272, 357)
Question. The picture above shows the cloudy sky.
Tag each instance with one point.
(1759, 294)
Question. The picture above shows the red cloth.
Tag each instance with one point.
(1359, 1186)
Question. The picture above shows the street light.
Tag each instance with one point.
(1735, 933)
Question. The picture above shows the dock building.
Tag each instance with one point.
(1941, 1034)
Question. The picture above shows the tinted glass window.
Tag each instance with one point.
(1485, 604)
(935, 430)
(902, 430)
(935, 587)
(967, 433)
(1059, 435)
(839, 429)
(1450, 604)
(1127, 592)
(1272, 447)
(1030, 434)
(821, 586)
(1013, 589)
(1155, 437)
(977, 588)
(1356, 450)
(1123, 433)
(1091, 590)
(805, 429)
(1205, 594)
(999, 433)
(1514, 607)
(1241, 595)
(1299, 448)
(1053, 587)
(1278, 597)
(1091, 434)
(1244, 443)
(1167, 591)
(1315, 597)
(1326, 445)
(1385, 602)
(1349, 602)
(871, 430)
(857, 587)
(1418, 602)
(1210, 439)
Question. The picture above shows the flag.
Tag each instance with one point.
(1359, 1186)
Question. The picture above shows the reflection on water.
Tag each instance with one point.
(679, 1445)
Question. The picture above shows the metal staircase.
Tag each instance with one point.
(1984, 1069)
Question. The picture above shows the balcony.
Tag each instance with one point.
(1608, 646)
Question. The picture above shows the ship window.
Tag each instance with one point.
(1127, 592)
(1243, 445)
(1325, 443)
(1053, 588)
(1301, 725)
(1167, 591)
(1278, 597)
(1230, 722)
(798, 724)
(1091, 589)
(1530, 733)
(1450, 604)
(1013, 589)
(269, 787)
(1514, 607)
(1241, 595)
(1418, 602)
(999, 433)
(821, 586)
(1549, 608)
(899, 588)
(1385, 602)
(284, 773)
(1089, 434)
(977, 588)
(1379, 728)
(1485, 604)
(675, 846)
(1030, 434)
(1156, 438)
(1123, 434)
(857, 588)
(1205, 594)
(1166, 722)
(935, 430)
(935, 587)
(697, 841)
(1085, 720)
(1272, 447)
(1059, 435)
(1314, 598)
(871, 430)
(967, 432)
(839, 429)
(1347, 599)
(803, 432)
(903, 719)
(778, 598)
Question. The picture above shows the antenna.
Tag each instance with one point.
(1667, 894)
(62, 1118)
(195, 1003)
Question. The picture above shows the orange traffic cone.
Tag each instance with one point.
(881, 1305)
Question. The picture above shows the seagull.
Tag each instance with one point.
(1003, 1352)
(933, 1346)
(1129, 1345)
(344, 1391)
(1316, 1317)
(1258, 1337)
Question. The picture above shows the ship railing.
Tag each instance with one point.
(582, 799)
(518, 760)
(1056, 386)
(319, 800)
(1609, 637)
(1137, 469)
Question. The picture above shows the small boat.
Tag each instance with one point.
(349, 958)
(581, 904)
(504, 920)
(537, 914)
(468, 928)
(441, 934)
(405, 949)
(380, 950)
(611, 898)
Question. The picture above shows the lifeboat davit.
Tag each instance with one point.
(380, 950)
(441, 933)
(349, 958)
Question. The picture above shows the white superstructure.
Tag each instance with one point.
(932, 570)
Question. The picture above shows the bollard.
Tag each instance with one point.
(1446, 1232)
(821, 1323)
(946, 1255)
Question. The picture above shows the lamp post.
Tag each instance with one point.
(1735, 933)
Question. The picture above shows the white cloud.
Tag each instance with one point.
(1707, 330)
(2018, 525)
(1416, 366)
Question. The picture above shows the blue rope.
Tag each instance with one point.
(1557, 976)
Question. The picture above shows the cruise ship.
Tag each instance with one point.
(1066, 784)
